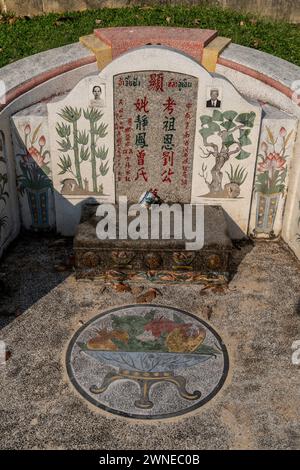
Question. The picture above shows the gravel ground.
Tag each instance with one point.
(258, 317)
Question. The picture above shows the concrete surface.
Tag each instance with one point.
(258, 317)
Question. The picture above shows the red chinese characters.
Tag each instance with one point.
(169, 127)
(156, 82)
(141, 122)
(186, 145)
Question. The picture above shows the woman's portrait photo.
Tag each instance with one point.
(97, 95)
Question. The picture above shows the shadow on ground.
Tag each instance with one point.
(30, 269)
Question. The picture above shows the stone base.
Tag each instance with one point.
(153, 260)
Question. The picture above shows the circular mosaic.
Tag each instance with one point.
(147, 361)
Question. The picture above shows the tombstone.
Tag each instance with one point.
(154, 119)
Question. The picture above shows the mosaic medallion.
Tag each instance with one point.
(147, 361)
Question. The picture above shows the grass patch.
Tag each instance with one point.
(21, 37)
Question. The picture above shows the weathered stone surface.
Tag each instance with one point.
(154, 113)
(191, 41)
(257, 317)
(161, 254)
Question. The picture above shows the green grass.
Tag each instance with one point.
(21, 37)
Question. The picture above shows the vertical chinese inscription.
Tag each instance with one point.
(155, 115)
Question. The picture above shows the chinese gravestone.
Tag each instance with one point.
(155, 116)
(154, 119)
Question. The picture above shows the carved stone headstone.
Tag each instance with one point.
(155, 119)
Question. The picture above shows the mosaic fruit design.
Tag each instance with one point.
(136, 333)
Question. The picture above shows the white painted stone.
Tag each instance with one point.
(234, 198)
(291, 220)
(33, 168)
(275, 153)
(253, 88)
(60, 83)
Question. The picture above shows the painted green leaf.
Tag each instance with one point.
(217, 115)
(244, 139)
(205, 119)
(246, 118)
(213, 126)
(228, 125)
(206, 132)
(84, 154)
(242, 155)
(230, 115)
(103, 168)
(229, 140)
(101, 153)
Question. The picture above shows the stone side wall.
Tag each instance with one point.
(288, 10)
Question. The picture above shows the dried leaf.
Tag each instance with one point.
(98, 21)
(137, 290)
(207, 311)
(197, 21)
(168, 19)
(120, 287)
(148, 296)
(242, 23)
(7, 355)
(18, 312)
(61, 267)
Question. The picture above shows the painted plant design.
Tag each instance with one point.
(225, 136)
(270, 178)
(34, 178)
(79, 148)
(3, 191)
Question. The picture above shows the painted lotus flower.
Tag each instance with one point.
(272, 162)
(37, 157)
(271, 167)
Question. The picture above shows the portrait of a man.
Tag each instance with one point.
(214, 101)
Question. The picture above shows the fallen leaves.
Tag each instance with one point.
(207, 311)
(216, 289)
(121, 287)
(147, 296)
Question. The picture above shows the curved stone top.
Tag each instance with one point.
(260, 65)
(39, 68)
(189, 40)
(25, 74)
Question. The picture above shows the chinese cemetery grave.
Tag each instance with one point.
(153, 120)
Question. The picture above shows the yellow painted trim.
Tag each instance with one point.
(102, 51)
(212, 51)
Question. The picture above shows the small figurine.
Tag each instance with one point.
(150, 197)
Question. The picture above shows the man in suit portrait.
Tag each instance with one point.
(214, 101)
